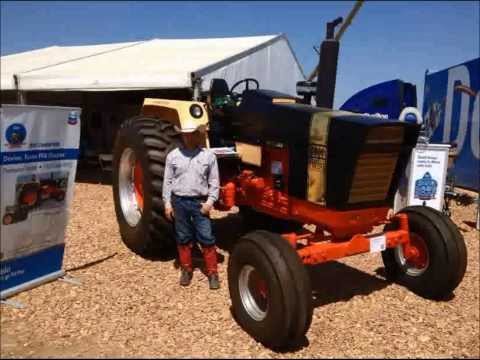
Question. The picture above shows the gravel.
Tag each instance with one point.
(127, 306)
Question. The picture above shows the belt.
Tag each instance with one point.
(197, 197)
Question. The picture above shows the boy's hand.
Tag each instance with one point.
(169, 213)
(205, 209)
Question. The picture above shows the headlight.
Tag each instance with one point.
(411, 115)
(196, 111)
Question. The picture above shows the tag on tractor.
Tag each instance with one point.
(377, 243)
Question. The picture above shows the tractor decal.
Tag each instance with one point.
(317, 157)
(426, 187)
(73, 118)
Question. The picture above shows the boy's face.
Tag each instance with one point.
(192, 139)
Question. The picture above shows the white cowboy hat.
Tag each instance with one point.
(190, 129)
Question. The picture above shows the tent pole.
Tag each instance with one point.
(21, 95)
(197, 88)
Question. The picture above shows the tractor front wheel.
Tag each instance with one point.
(270, 290)
(434, 262)
(139, 155)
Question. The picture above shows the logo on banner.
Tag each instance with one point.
(426, 187)
(72, 118)
(15, 135)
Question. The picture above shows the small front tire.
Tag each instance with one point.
(270, 290)
(441, 258)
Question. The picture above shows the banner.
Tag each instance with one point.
(38, 160)
(451, 112)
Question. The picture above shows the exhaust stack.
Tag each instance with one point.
(327, 67)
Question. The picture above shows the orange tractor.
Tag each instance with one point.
(291, 164)
(31, 195)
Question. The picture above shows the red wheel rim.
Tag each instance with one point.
(138, 184)
(259, 289)
(416, 253)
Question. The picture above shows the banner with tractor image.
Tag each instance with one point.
(38, 159)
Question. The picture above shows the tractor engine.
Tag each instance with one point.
(296, 156)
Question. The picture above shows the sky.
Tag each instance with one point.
(387, 40)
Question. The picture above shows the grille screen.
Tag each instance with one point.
(385, 135)
(372, 178)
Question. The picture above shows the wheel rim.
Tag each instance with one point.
(130, 187)
(138, 184)
(7, 219)
(413, 258)
(253, 293)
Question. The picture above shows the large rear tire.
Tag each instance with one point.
(442, 260)
(270, 290)
(139, 154)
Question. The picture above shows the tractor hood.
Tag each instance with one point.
(337, 158)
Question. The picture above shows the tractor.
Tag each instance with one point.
(27, 198)
(31, 195)
(290, 164)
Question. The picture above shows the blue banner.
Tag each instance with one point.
(20, 157)
(451, 112)
(38, 160)
(20, 270)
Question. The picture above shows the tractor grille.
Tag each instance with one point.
(372, 177)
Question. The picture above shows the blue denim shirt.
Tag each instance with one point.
(191, 173)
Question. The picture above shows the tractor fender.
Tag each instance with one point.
(176, 112)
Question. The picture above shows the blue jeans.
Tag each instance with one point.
(190, 223)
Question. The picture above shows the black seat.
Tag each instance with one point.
(218, 88)
(221, 104)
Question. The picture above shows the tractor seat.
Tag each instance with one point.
(220, 95)
(219, 87)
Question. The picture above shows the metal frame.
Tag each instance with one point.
(31, 284)
(320, 248)
(346, 229)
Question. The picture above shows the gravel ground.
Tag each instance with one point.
(128, 306)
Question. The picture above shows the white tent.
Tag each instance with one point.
(154, 64)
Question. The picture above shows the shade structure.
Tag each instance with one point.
(154, 64)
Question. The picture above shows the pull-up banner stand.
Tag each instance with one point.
(38, 161)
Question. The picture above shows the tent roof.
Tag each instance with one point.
(156, 63)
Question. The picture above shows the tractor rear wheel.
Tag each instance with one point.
(139, 154)
(270, 290)
(440, 257)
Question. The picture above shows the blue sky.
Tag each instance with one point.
(387, 40)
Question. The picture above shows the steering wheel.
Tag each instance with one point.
(237, 96)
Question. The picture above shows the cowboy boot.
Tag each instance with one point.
(185, 259)
(210, 257)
